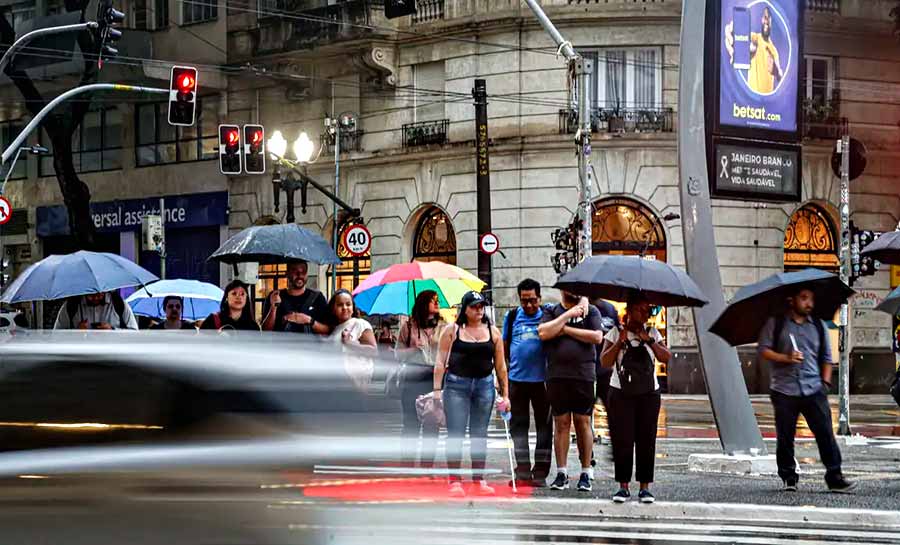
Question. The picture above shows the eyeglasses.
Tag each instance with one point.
(529, 300)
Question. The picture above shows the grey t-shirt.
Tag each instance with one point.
(801, 379)
(569, 358)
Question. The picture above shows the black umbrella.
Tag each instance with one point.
(753, 305)
(885, 248)
(272, 244)
(619, 277)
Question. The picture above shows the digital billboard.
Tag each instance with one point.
(759, 61)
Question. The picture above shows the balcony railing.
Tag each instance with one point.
(827, 6)
(428, 10)
(620, 120)
(350, 140)
(425, 133)
(822, 118)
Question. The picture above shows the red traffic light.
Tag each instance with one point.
(256, 137)
(186, 83)
(232, 137)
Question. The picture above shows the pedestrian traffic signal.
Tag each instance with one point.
(861, 265)
(107, 17)
(399, 8)
(254, 149)
(229, 149)
(182, 96)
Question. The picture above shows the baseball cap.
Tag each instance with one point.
(471, 298)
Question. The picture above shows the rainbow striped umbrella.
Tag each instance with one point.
(394, 290)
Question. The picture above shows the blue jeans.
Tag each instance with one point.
(468, 402)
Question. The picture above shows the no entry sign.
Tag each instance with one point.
(5, 210)
(489, 243)
(357, 240)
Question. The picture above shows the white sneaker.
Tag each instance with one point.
(484, 489)
(456, 490)
(590, 473)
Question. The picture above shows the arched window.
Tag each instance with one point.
(353, 269)
(435, 239)
(809, 241)
(626, 227)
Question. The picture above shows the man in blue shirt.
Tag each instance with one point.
(796, 347)
(527, 370)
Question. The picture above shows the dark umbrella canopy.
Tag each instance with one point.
(885, 248)
(80, 273)
(271, 244)
(891, 303)
(619, 277)
(753, 305)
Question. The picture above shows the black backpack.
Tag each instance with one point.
(820, 329)
(636, 370)
(72, 304)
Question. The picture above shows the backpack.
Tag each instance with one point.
(820, 329)
(636, 370)
(73, 303)
(511, 319)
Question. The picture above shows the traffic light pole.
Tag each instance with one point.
(20, 43)
(582, 69)
(13, 148)
(845, 342)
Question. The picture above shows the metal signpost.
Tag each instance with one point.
(843, 147)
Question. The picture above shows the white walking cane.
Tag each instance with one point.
(509, 451)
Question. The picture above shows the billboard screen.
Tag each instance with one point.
(759, 65)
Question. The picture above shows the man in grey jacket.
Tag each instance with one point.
(95, 311)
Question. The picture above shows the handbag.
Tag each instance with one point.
(430, 411)
(413, 365)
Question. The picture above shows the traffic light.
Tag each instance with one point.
(182, 96)
(254, 149)
(399, 8)
(861, 265)
(107, 16)
(229, 149)
(565, 239)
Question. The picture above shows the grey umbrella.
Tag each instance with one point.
(753, 305)
(272, 244)
(886, 248)
(891, 303)
(619, 277)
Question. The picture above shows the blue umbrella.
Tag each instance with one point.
(891, 303)
(61, 276)
(271, 244)
(200, 298)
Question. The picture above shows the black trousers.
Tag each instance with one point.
(523, 395)
(419, 382)
(632, 427)
(817, 412)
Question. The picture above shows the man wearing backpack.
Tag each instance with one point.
(800, 360)
(634, 401)
(527, 371)
(96, 311)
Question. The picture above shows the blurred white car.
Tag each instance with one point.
(8, 322)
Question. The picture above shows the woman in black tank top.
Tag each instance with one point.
(470, 353)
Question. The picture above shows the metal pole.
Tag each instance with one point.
(582, 69)
(36, 120)
(483, 181)
(162, 245)
(334, 206)
(20, 43)
(738, 429)
(845, 341)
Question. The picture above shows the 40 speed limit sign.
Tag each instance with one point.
(357, 240)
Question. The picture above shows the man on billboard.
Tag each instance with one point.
(764, 67)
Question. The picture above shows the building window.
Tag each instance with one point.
(429, 80)
(8, 131)
(353, 269)
(159, 143)
(19, 14)
(626, 227)
(96, 144)
(626, 78)
(270, 278)
(820, 76)
(435, 239)
(809, 241)
(199, 11)
(151, 14)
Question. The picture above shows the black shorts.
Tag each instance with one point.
(568, 395)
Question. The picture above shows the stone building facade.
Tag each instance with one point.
(409, 162)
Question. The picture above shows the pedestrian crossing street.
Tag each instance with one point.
(633, 524)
